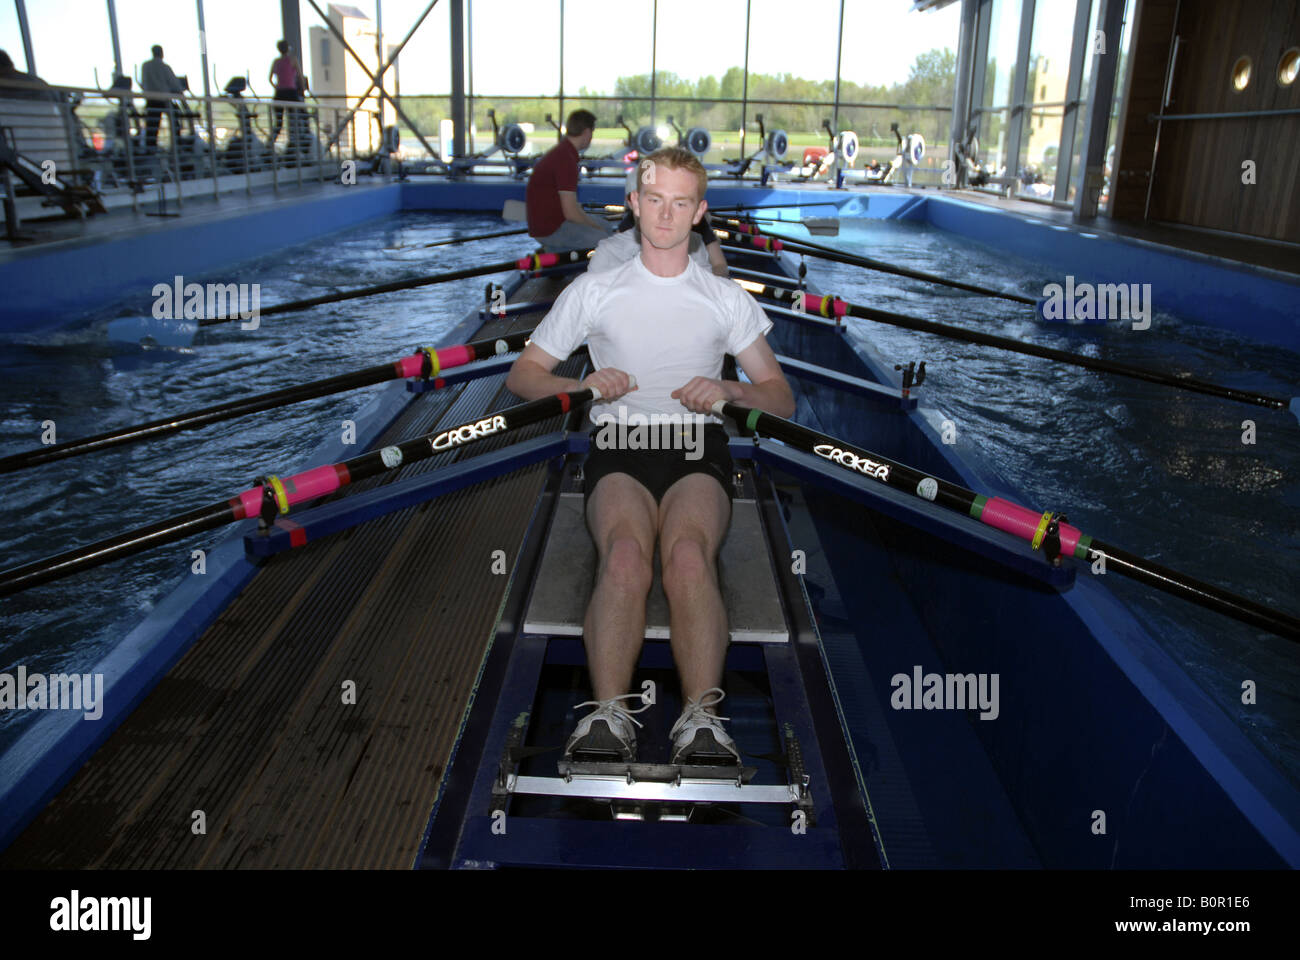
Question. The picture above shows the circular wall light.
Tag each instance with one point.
(1288, 67)
(1241, 74)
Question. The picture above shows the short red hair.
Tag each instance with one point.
(675, 158)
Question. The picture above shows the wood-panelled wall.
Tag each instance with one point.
(1149, 59)
(1196, 171)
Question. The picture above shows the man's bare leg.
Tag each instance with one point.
(621, 516)
(693, 519)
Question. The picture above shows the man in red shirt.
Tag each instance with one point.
(554, 217)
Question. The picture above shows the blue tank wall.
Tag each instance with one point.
(53, 286)
(1251, 300)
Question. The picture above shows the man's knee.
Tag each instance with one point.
(626, 565)
(686, 565)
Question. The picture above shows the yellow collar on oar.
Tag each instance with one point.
(1043, 521)
(434, 366)
(277, 489)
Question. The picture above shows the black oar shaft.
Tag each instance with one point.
(447, 241)
(741, 207)
(873, 466)
(809, 248)
(1047, 353)
(394, 285)
(442, 441)
(1197, 591)
(248, 503)
(894, 474)
(105, 551)
(195, 419)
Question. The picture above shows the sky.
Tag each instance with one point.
(516, 43)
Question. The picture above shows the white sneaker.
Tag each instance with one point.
(699, 737)
(607, 731)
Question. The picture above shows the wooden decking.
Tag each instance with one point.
(251, 726)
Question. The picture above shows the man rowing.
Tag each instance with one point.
(667, 321)
(555, 218)
(626, 241)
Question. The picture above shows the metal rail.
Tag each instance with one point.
(1234, 115)
(101, 138)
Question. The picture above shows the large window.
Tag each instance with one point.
(909, 61)
(1090, 54)
(716, 64)
(699, 59)
(73, 57)
(1033, 87)
(1047, 89)
(1003, 30)
(515, 63)
(11, 38)
(1108, 165)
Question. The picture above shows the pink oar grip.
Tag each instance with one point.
(455, 356)
(250, 503)
(824, 306)
(1023, 522)
(410, 366)
(537, 261)
(307, 485)
(313, 483)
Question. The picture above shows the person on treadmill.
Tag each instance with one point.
(155, 78)
(665, 320)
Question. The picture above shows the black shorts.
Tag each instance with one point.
(657, 470)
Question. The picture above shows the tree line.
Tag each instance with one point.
(930, 83)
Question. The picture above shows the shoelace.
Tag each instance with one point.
(612, 706)
(695, 708)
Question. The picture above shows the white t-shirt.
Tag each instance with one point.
(662, 330)
(621, 247)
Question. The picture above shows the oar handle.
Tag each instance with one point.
(597, 395)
